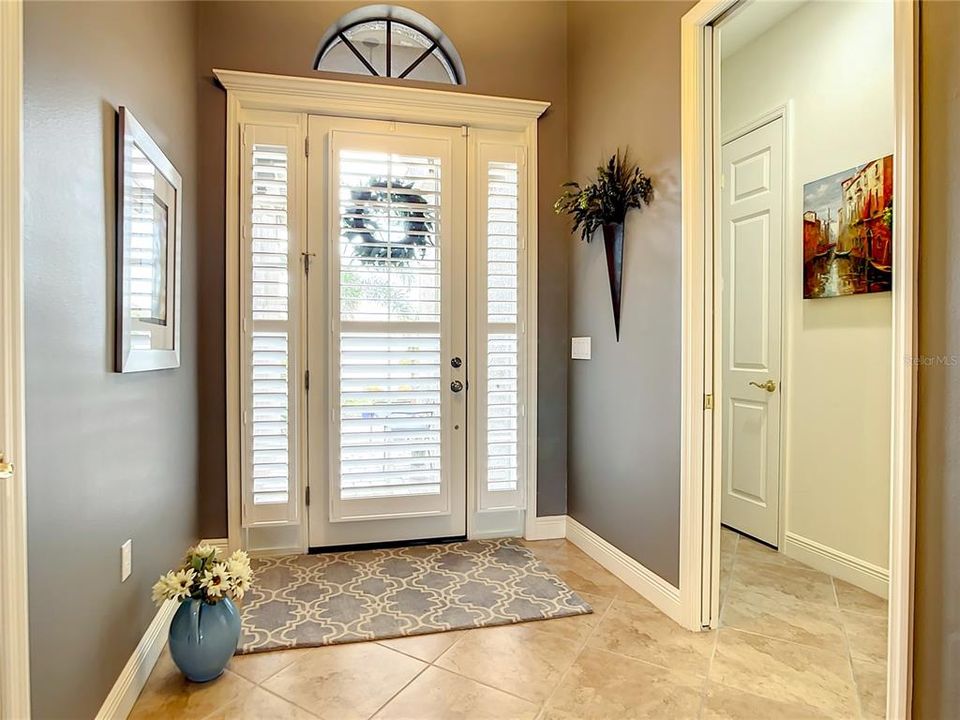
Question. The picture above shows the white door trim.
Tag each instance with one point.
(258, 91)
(699, 502)
(14, 645)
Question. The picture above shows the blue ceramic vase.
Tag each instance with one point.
(204, 637)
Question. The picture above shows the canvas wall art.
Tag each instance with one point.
(847, 231)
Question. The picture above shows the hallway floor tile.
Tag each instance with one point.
(793, 643)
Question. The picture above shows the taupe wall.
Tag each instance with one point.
(110, 456)
(515, 49)
(937, 618)
(624, 409)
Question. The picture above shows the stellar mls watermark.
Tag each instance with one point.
(933, 360)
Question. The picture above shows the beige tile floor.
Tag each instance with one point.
(793, 643)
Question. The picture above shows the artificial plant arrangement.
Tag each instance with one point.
(204, 576)
(620, 186)
(205, 629)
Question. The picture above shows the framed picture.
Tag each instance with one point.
(848, 231)
(148, 252)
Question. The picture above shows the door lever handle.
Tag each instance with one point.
(769, 385)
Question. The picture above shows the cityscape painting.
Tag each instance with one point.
(847, 231)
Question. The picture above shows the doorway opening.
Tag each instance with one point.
(846, 279)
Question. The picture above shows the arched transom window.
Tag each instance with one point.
(389, 41)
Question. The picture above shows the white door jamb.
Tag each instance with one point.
(699, 492)
(14, 647)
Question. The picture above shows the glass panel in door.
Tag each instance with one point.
(397, 320)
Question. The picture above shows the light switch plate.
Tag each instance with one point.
(580, 348)
(126, 560)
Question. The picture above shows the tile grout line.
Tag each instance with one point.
(716, 641)
(471, 679)
(229, 701)
(862, 613)
(487, 685)
(787, 642)
(280, 670)
(707, 680)
(846, 641)
(400, 690)
(311, 713)
(848, 655)
(583, 646)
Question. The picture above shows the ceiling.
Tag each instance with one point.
(752, 19)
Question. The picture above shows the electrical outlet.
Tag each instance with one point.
(580, 348)
(126, 560)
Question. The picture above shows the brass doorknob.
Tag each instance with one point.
(769, 385)
(6, 468)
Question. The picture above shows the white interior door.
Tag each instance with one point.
(751, 246)
(386, 332)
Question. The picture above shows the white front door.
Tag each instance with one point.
(751, 247)
(386, 332)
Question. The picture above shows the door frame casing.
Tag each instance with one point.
(317, 96)
(699, 490)
(782, 113)
(14, 628)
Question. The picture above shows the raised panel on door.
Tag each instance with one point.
(746, 462)
(388, 313)
(751, 241)
(749, 300)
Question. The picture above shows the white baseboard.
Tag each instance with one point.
(646, 582)
(134, 676)
(861, 573)
(548, 527)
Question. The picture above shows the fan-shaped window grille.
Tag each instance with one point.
(389, 41)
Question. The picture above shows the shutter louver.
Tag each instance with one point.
(389, 305)
(500, 340)
(271, 267)
(502, 312)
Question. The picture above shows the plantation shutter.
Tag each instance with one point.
(389, 324)
(271, 239)
(501, 337)
(388, 318)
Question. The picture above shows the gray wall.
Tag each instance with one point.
(937, 618)
(110, 456)
(624, 410)
(513, 49)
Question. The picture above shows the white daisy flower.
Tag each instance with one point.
(182, 583)
(216, 580)
(163, 589)
(238, 564)
(204, 551)
(240, 582)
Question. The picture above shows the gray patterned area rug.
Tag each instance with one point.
(311, 600)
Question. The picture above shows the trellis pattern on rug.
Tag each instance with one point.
(326, 599)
